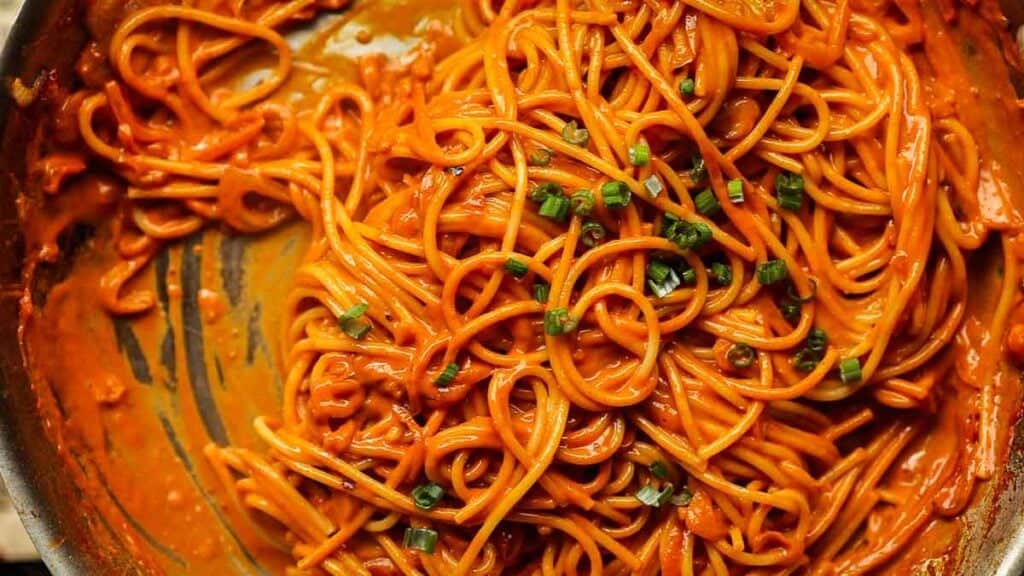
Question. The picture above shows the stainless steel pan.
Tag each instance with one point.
(73, 537)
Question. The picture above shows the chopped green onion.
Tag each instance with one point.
(616, 194)
(791, 311)
(592, 234)
(639, 154)
(699, 171)
(354, 313)
(541, 292)
(661, 278)
(707, 203)
(558, 322)
(771, 272)
(555, 207)
(789, 190)
(659, 469)
(736, 191)
(795, 296)
(721, 273)
(540, 157)
(686, 235)
(582, 202)
(349, 322)
(426, 496)
(682, 498)
(545, 189)
(422, 539)
(653, 497)
(516, 268)
(741, 356)
(849, 371)
(447, 376)
(817, 340)
(688, 276)
(687, 87)
(356, 330)
(654, 186)
(806, 360)
(456, 171)
(573, 134)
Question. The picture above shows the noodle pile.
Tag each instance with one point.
(619, 287)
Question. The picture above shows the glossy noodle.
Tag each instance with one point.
(616, 287)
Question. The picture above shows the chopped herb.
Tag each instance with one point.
(688, 276)
(741, 356)
(736, 191)
(558, 322)
(592, 234)
(806, 360)
(545, 189)
(516, 268)
(682, 498)
(707, 203)
(661, 278)
(422, 539)
(789, 190)
(573, 134)
(427, 496)
(791, 311)
(659, 469)
(350, 324)
(817, 340)
(653, 497)
(639, 154)
(582, 202)
(699, 171)
(687, 87)
(720, 273)
(540, 157)
(653, 186)
(849, 371)
(795, 296)
(541, 292)
(555, 208)
(447, 376)
(616, 194)
(772, 272)
(686, 235)
(456, 171)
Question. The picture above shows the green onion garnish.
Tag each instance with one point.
(795, 296)
(573, 134)
(736, 191)
(806, 360)
(541, 292)
(540, 157)
(791, 311)
(616, 194)
(427, 496)
(447, 376)
(721, 273)
(456, 171)
(849, 371)
(558, 322)
(653, 186)
(659, 469)
(545, 189)
(741, 356)
(688, 276)
(592, 234)
(555, 208)
(771, 272)
(516, 268)
(686, 235)
(661, 278)
(817, 340)
(639, 154)
(707, 203)
(789, 190)
(699, 171)
(350, 324)
(653, 497)
(422, 539)
(687, 87)
(582, 202)
(682, 498)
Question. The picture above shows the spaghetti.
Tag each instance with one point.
(617, 287)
